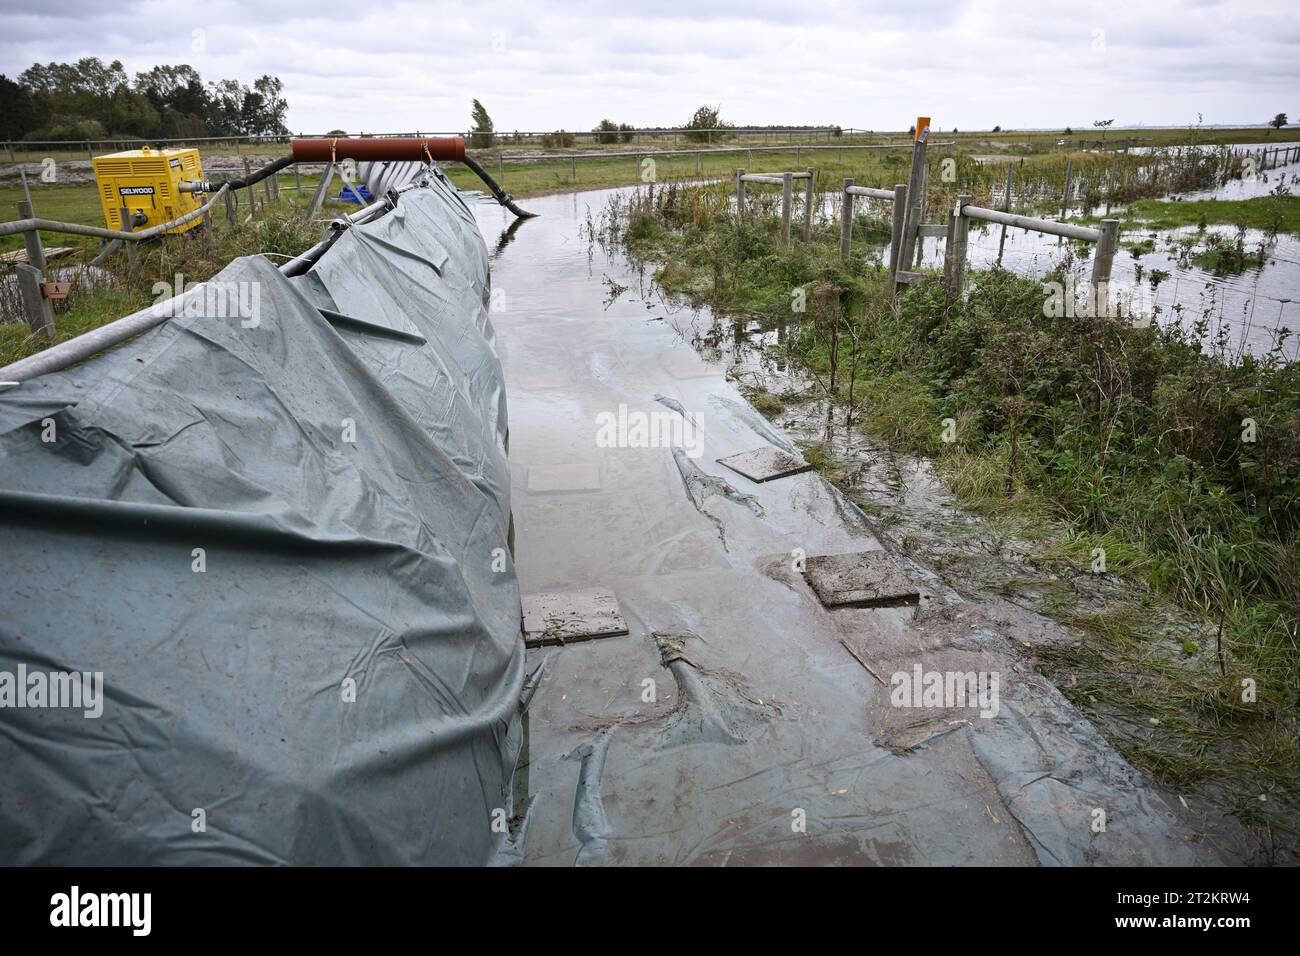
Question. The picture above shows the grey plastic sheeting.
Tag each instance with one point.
(377, 560)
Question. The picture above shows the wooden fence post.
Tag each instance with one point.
(896, 229)
(740, 196)
(1006, 207)
(32, 239)
(1065, 196)
(915, 197)
(924, 203)
(809, 195)
(957, 252)
(132, 252)
(230, 206)
(249, 191)
(846, 220)
(787, 197)
(40, 313)
(948, 259)
(1103, 259)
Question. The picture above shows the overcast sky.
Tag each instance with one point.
(541, 64)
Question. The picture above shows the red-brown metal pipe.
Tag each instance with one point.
(402, 149)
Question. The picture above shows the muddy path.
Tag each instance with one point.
(741, 720)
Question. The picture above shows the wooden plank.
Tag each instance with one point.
(53, 252)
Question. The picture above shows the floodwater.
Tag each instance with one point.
(1255, 306)
(1252, 307)
(741, 721)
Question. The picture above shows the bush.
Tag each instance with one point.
(481, 135)
(67, 127)
(706, 125)
(558, 138)
(606, 132)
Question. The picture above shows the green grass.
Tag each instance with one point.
(1267, 213)
(279, 232)
(561, 174)
(79, 203)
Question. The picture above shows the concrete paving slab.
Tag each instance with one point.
(563, 479)
(765, 464)
(565, 617)
(860, 579)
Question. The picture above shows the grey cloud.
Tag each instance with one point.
(970, 64)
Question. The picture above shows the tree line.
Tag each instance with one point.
(93, 100)
(705, 125)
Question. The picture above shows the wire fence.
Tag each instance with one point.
(30, 150)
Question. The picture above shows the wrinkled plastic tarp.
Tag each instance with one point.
(244, 527)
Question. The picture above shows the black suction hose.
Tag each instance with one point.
(503, 197)
(270, 169)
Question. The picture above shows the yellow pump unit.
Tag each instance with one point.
(147, 183)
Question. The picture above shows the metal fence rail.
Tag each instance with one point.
(1106, 238)
(1048, 226)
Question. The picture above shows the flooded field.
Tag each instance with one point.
(1255, 308)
